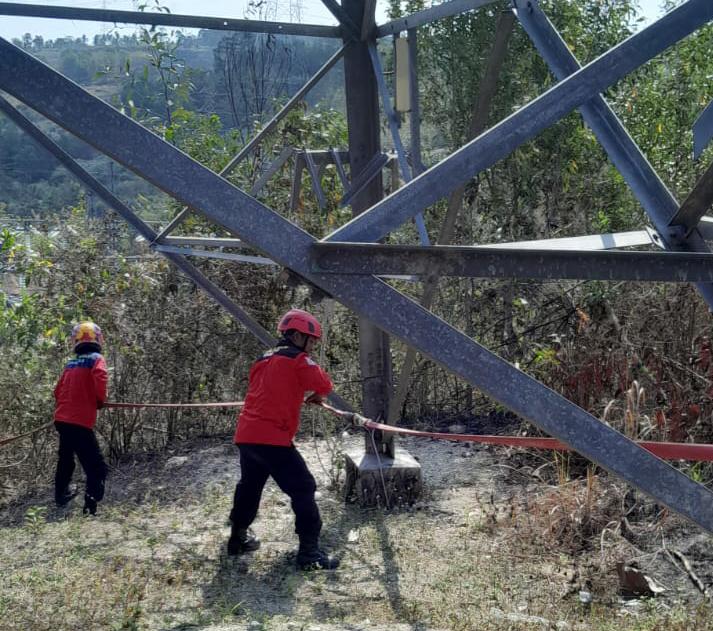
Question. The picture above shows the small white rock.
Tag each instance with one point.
(176, 461)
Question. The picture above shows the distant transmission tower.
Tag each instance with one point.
(105, 25)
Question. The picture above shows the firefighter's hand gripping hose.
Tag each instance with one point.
(357, 420)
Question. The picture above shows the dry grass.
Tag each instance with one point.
(474, 555)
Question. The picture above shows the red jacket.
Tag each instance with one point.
(81, 390)
(276, 389)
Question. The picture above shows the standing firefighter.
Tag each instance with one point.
(79, 393)
(266, 428)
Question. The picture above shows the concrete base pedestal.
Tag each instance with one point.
(384, 482)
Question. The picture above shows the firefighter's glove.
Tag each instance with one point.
(357, 420)
(314, 399)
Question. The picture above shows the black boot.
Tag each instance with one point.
(310, 557)
(242, 540)
(64, 497)
(90, 505)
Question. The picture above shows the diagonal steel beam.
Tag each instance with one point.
(141, 151)
(343, 17)
(315, 179)
(273, 168)
(492, 262)
(340, 168)
(213, 254)
(437, 12)
(697, 203)
(113, 202)
(367, 174)
(525, 124)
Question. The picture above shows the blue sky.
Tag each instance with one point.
(312, 11)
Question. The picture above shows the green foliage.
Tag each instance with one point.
(35, 518)
(165, 341)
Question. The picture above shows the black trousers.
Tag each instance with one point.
(287, 467)
(75, 439)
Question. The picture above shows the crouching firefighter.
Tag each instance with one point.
(266, 428)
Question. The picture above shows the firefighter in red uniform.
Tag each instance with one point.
(266, 427)
(80, 391)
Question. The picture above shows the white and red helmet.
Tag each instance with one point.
(87, 332)
(299, 320)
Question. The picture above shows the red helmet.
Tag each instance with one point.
(87, 332)
(300, 321)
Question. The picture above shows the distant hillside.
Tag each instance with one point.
(240, 77)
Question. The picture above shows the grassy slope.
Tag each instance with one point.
(470, 556)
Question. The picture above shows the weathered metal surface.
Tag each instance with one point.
(364, 131)
(705, 228)
(348, 25)
(296, 189)
(445, 260)
(525, 124)
(167, 19)
(703, 130)
(177, 174)
(213, 254)
(697, 204)
(209, 242)
(417, 165)
(273, 168)
(437, 12)
(607, 241)
(340, 168)
(364, 177)
(315, 179)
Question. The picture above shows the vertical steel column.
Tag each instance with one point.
(364, 142)
(478, 120)
(415, 114)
